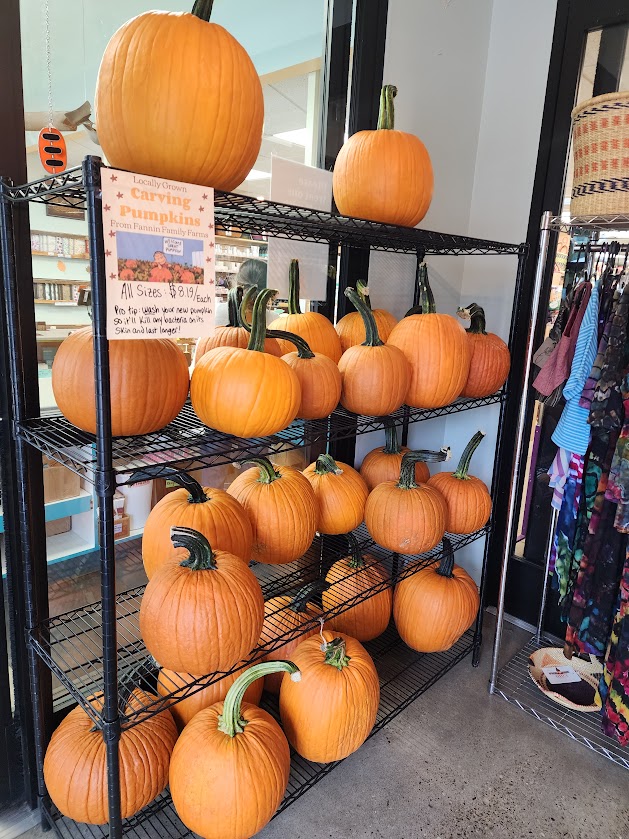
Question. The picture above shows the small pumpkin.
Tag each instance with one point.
(437, 350)
(433, 607)
(282, 509)
(384, 175)
(404, 516)
(359, 576)
(383, 464)
(340, 492)
(234, 334)
(202, 613)
(148, 383)
(318, 375)
(375, 376)
(490, 360)
(212, 512)
(248, 393)
(229, 769)
(467, 498)
(75, 765)
(313, 327)
(330, 712)
(351, 328)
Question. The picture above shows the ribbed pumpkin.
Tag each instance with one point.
(340, 492)
(467, 498)
(174, 685)
(404, 516)
(437, 349)
(351, 328)
(202, 613)
(384, 175)
(170, 118)
(313, 327)
(330, 712)
(359, 576)
(229, 769)
(248, 393)
(148, 383)
(435, 606)
(234, 334)
(75, 766)
(212, 512)
(282, 509)
(319, 377)
(287, 617)
(490, 360)
(375, 376)
(384, 463)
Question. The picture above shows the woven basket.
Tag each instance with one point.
(600, 141)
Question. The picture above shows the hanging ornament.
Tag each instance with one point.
(52, 147)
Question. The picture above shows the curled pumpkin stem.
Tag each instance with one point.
(407, 469)
(231, 721)
(362, 290)
(464, 462)
(303, 348)
(372, 337)
(268, 472)
(201, 554)
(246, 300)
(476, 314)
(258, 320)
(391, 444)
(234, 299)
(326, 465)
(447, 559)
(306, 593)
(357, 560)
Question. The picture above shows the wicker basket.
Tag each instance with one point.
(600, 140)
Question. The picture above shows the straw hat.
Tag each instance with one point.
(578, 696)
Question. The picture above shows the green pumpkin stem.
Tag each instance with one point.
(407, 469)
(304, 595)
(201, 554)
(258, 320)
(464, 463)
(476, 315)
(356, 560)
(185, 481)
(268, 472)
(231, 721)
(447, 559)
(372, 338)
(246, 300)
(335, 654)
(234, 299)
(362, 290)
(326, 465)
(293, 288)
(426, 297)
(203, 9)
(386, 114)
(392, 444)
(303, 349)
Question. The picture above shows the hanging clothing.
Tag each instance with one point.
(546, 349)
(614, 685)
(563, 541)
(558, 475)
(607, 304)
(611, 368)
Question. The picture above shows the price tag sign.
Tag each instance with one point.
(159, 257)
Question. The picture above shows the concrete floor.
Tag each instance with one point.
(460, 764)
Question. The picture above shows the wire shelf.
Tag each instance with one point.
(516, 686)
(187, 444)
(404, 675)
(71, 644)
(607, 222)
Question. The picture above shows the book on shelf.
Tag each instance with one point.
(66, 292)
(57, 244)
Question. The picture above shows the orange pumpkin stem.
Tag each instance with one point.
(258, 320)
(372, 337)
(268, 472)
(305, 594)
(391, 444)
(293, 288)
(327, 465)
(464, 463)
(386, 113)
(447, 560)
(231, 721)
(476, 314)
(335, 654)
(203, 9)
(201, 554)
(357, 560)
(407, 468)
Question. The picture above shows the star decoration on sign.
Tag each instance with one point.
(112, 276)
(114, 178)
(208, 258)
(119, 195)
(205, 197)
(211, 226)
(106, 208)
(112, 233)
(201, 209)
(107, 253)
(210, 245)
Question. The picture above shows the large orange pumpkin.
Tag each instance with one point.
(313, 327)
(318, 375)
(437, 349)
(234, 334)
(384, 175)
(202, 613)
(75, 766)
(148, 383)
(467, 498)
(248, 393)
(340, 492)
(490, 360)
(384, 463)
(178, 97)
(375, 376)
(359, 577)
(435, 606)
(351, 327)
(229, 769)
(212, 512)
(282, 509)
(407, 517)
(333, 710)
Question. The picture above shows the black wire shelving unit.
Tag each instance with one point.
(97, 649)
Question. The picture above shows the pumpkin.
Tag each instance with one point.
(175, 685)
(383, 464)
(246, 392)
(490, 360)
(433, 607)
(375, 376)
(234, 334)
(75, 765)
(202, 613)
(358, 577)
(384, 175)
(229, 769)
(330, 712)
(281, 506)
(467, 498)
(148, 383)
(319, 377)
(437, 349)
(208, 127)
(293, 618)
(404, 516)
(212, 512)
(351, 328)
(340, 492)
(313, 327)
